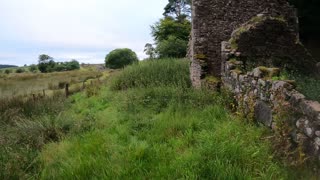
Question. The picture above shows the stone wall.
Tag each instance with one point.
(269, 41)
(269, 101)
(263, 35)
(214, 20)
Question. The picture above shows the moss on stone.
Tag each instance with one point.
(237, 71)
(200, 56)
(235, 36)
(257, 19)
(269, 72)
(233, 60)
(212, 79)
(279, 18)
(233, 43)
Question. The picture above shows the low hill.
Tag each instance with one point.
(2, 66)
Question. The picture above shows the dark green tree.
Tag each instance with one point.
(33, 68)
(20, 70)
(150, 51)
(171, 37)
(179, 9)
(172, 47)
(72, 65)
(120, 58)
(168, 26)
(8, 71)
(46, 63)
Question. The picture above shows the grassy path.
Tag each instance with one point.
(148, 123)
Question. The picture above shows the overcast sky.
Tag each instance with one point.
(85, 30)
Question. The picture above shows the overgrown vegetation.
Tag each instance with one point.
(157, 128)
(154, 74)
(147, 124)
(307, 85)
(27, 124)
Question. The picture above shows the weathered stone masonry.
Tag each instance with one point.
(213, 21)
(264, 98)
(228, 36)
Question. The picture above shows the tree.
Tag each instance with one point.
(169, 27)
(172, 47)
(179, 9)
(20, 70)
(8, 71)
(171, 37)
(72, 65)
(46, 63)
(33, 68)
(43, 58)
(150, 51)
(120, 58)
(171, 33)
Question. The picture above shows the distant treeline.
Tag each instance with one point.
(2, 66)
(47, 64)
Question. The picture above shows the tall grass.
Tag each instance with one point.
(141, 126)
(154, 73)
(155, 128)
(27, 124)
(25, 127)
(307, 85)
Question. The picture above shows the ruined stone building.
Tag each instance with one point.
(242, 44)
(213, 21)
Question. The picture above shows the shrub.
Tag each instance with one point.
(72, 65)
(120, 58)
(20, 70)
(33, 68)
(8, 71)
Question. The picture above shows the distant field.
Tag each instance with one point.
(27, 83)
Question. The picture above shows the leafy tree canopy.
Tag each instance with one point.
(47, 64)
(171, 37)
(169, 27)
(171, 33)
(179, 9)
(43, 58)
(172, 47)
(120, 58)
(150, 51)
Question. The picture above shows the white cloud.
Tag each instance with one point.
(77, 24)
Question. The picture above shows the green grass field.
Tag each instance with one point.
(16, 84)
(146, 122)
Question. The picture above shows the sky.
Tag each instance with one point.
(85, 30)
